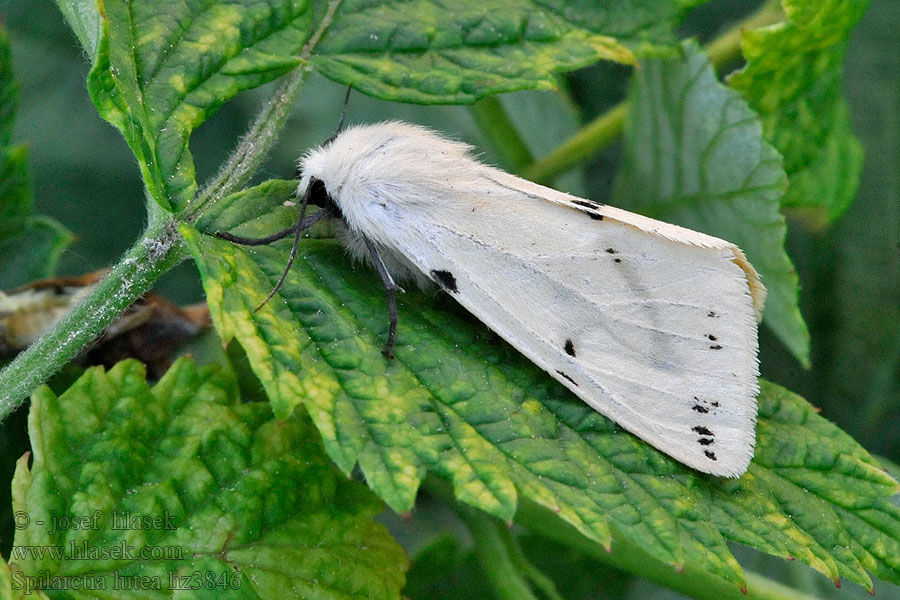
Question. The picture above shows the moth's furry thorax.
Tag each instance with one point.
(375, 173)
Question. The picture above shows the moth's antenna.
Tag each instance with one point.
(299, 226)
(298, 232)
(339, 129)
(340, 126)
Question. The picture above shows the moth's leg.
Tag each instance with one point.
(390, 288)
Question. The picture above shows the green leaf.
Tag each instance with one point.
(9, 91)
(793, 79)
(265, 207)
(438, 52)
(163, 67)
(831, 179)
(799, 480)
(183, 485)
(695, 156)
(458, 403)
(8, 588)
(29, 245)
(84, 19)
(156, 81)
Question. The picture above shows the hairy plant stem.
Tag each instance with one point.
(606, 128)
(254, 146)
(627, 556)
(251, 151)
(160, 248)
(155, 253)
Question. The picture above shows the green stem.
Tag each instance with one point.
(589, 140)
(155, 253)
(607, 128)
(537, 577)
(495, 124)
(493, 556)
(725, 49)
(629, 557)
(253, 148)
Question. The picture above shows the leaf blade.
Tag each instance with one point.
(157, 80)
(432, 52)
(456, 403)
(235, 492)
(793, 79)
(30, 245)
(695, 156)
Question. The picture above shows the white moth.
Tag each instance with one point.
(651, 324)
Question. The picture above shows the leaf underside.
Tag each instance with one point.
(695, 156)
(84, 18)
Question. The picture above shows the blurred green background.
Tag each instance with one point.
(84, 176)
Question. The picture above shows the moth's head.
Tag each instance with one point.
(376, 154)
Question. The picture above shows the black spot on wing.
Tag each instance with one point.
(711, 337)
(567, 377)
(702, 406)
(703, 431)
(570, 348)
(587, 204)
(612, 251)
(591, 208)
(715, 347)
(706, 441)
(446, 280)
(710, 454)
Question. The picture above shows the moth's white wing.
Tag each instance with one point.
(650, 324)
(640, 222)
